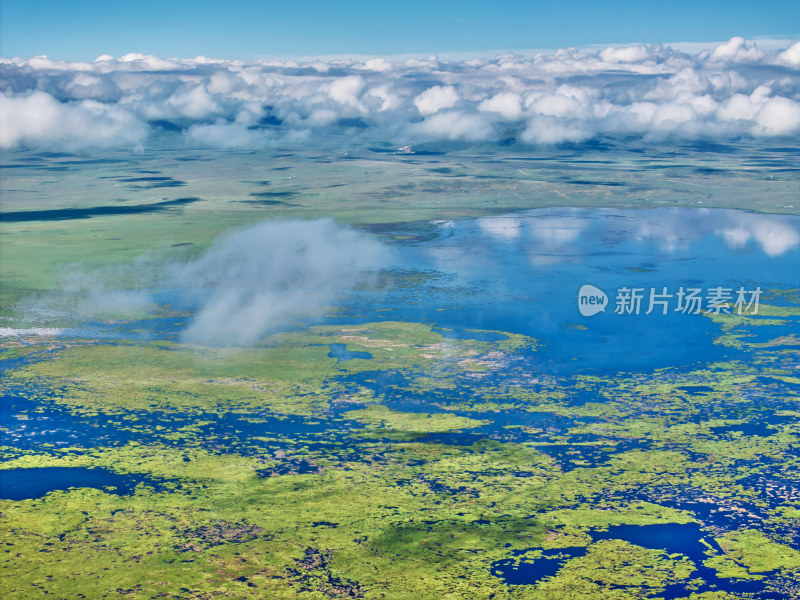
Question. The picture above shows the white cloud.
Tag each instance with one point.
(389, 100)
(263, 277)
(435, 99)
(508, 104)
(346, 90)
(736, 49)
(549, 130)
(791, 56)
(778, 116)
(193, 103)
(455, 125)
(379, 64)
(625, 54)
(37, 119)
(733, 89)
(566, 101)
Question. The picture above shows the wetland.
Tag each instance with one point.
(411, 404)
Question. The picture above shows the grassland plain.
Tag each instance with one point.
(441, 466)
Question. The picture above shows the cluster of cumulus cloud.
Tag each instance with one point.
(732, 90)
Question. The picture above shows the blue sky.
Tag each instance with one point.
(246, 29)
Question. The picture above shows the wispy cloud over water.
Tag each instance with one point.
(733, 90)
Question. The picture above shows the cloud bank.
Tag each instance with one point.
(733, 90)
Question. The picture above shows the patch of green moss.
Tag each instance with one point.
(380, 417)
(750, 553)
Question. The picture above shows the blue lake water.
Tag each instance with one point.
(673, 538)
(340, 352)
(522, 273)
(26, 484)
(526, 573)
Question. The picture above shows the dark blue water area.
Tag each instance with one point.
(759, 429)
(525, 573)
(710, 513)
(27, 423)
(397, 393)
(673, 538)
(769, 381)
(340, 352)
(682, 539)
(520, 426)
(772, 418)
(240, 433)
(572, 456)
(539, 420)
(396, 390)
(27, 484)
